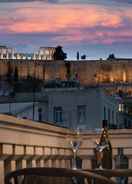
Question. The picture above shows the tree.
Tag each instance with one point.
(68, 69)
(59, 54)
(111, 56)
(83, 57)
(16, 74)
(9, 72)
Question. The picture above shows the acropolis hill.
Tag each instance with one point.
(88, 72)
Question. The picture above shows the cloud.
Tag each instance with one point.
(72, 1)
(68, 24)
(56, 18)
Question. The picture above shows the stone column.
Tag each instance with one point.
(57, 163)
(113, 163)
(114, 153)
(13, 165)
(33, 163)
(130, 167)
(41, 163)
(2, 172)
(130, 163)
(62, 163)
(24, 164)
(68, 165)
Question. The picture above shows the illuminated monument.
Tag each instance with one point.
(41, 65)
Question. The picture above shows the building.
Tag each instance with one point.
(6, 52)
(115, 72)
(125, 112)
(107, 73)
(79, 107)
(45, 53)
(70, 107)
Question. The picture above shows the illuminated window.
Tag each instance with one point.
(121, 107)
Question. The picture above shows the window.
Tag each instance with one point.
(39, 114)
(121, 107)
(81, 114)
(58, 113)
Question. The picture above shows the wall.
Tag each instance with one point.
(69, 99)
(88, 72)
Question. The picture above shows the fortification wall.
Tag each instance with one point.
(88, 72)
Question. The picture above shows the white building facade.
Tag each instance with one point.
(68, 107)
(44, 53)
(79, 108)
(6, 52)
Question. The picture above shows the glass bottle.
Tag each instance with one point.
(104, 153)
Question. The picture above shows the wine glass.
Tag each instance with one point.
(75, 144)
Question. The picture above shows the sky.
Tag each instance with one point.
(96, 28)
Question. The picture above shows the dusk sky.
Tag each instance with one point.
(93, 27)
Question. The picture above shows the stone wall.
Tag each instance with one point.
(88, 72)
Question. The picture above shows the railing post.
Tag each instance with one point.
(24, 163)
(2, 172)
(130, 167)
(41, 163)
(13, 165)
(33, 163)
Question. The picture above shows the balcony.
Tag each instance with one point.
(24, 143)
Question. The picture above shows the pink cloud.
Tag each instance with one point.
(55, 18)
(73, 21)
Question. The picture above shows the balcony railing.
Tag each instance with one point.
(24, 144)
